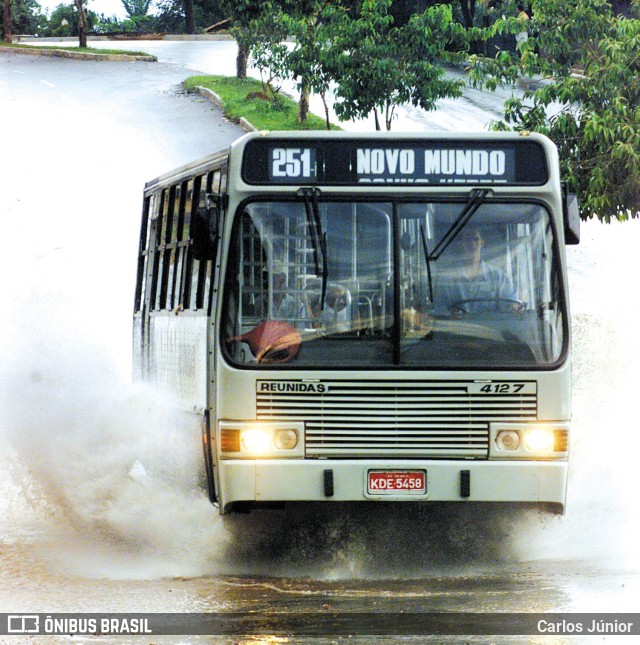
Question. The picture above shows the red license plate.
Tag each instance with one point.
(397, 482)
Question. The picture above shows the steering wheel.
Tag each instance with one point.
(499, 304)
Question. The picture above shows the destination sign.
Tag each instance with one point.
(434, 165)
(431, 162)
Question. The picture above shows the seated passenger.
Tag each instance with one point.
(335, 315)
(285, 306)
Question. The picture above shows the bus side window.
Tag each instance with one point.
(176, 273)
(198, 266)
(190, 272)
(144, 254)
(164, 247)
(155, 256)
(170, 277)
(169, 253)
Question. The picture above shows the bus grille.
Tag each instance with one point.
(448, 420)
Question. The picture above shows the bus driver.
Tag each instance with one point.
(477, 286)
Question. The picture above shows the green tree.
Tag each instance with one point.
(309, 60)
(254, 24)
(28, 17)
(380, 67)
(373, 65)
(246, 14)
(268, 51)
(170, 16)
(587, 98)
(302, 58)
(135, 8)
(64, 21)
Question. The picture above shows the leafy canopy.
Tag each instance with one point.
(582, 65)
(359, 55)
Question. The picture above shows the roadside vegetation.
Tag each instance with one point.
(246, 97)
(85, 50)
(577, 60)
(141, 17)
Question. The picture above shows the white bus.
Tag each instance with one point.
(379, 317)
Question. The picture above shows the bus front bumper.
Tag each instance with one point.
(304, 480)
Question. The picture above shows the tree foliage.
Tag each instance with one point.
(246, 14)
(357, 53)
(580, 67)
(587, 98)
(380, 66)
(409, 69)
(28, 17)
(64, 21)
(136, 8)
(263, 36)
(291, 40)
(169, 16)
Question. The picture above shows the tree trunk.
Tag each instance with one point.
(241, 61)
(82, 23)
(189, 17)
(7, 18)
(390, 111)
(326, 110)
(468, 12)
(469, 17)
(303, 103)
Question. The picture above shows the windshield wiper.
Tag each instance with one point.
(427, 259)
(476, 199)
(318, 237)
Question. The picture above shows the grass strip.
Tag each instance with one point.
(244, 97)
(84, 50)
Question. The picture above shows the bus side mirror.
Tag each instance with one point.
(571, 216)
(204, 229)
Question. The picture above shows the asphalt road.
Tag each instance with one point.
(99, 496)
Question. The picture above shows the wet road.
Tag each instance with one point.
(100, 503)
(470, 112)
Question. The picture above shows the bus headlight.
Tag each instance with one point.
(508, 440)
(256, 440)
(529, 441)
(285, 439)
(539, 439)
(245, 440)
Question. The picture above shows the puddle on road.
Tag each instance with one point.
(109, 486)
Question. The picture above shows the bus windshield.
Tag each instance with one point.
(314, 282)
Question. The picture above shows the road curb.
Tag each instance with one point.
(212, 96)
(66, 53)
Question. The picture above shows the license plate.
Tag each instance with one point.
(397, 482)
